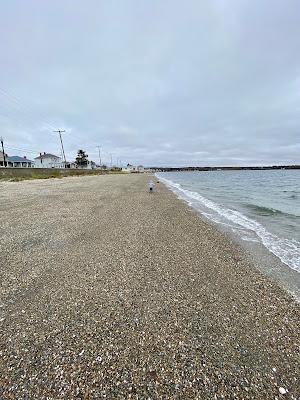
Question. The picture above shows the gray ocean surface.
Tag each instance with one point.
(258, 206)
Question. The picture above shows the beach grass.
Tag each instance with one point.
(55, 174)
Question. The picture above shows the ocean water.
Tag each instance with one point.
(257, 206)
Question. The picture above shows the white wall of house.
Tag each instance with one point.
(48, 162)
(133, 168)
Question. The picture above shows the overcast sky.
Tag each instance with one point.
(170, 82)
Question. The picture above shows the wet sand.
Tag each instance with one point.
(107, 291)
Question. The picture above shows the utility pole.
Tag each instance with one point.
(110, 160)
(3, 151)
(62, 146)
(99, 149)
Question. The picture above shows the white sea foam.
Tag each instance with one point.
(288, 251)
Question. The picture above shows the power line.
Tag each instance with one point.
(20, 106)
(20, 118)
(15, 103)
(23, 150)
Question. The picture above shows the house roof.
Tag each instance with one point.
(18, 159)
(46, 155)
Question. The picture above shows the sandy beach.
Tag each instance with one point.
(107, 291)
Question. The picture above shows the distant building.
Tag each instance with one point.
(103, 166)
(15, 161)
(47, 160)
(19, 162)
(88, 165)
(129, 168)
(71, 165)
(2, 158)
(133, 169)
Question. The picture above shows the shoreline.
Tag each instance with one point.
(108, 290)
(256, 252)
(271, 266)
(261, 258)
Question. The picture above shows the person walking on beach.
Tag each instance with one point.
(150, 186)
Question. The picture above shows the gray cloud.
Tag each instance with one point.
(158, 83)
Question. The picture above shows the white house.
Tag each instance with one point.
(131, 168)
(15, 161)
(19, 162)
(47, 160)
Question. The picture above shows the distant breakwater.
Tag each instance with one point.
(255, 168)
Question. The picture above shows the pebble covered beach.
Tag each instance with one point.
(108, 291)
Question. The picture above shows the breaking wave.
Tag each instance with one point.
(288, 251)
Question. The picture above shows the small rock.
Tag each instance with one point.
(282, 390)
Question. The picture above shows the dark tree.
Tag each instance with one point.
(81, 159)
